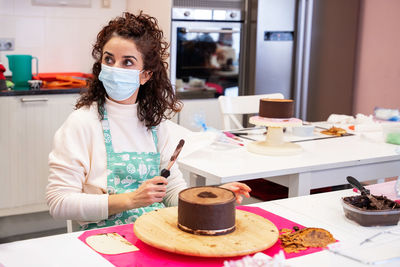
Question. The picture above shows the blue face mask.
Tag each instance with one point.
(120, 84)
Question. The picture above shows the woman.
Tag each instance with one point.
(106, 158)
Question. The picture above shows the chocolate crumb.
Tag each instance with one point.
(360, 207)
(364, 203)
(206, 194)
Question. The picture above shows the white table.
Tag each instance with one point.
(322, 163)
(325, 211)
(320, 210)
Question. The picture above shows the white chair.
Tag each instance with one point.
(72, 226)
(231, 106)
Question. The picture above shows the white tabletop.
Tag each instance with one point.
(325, 211)
(57, 250)
(320, 210)
(322, 163)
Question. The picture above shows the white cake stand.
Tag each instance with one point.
(274, 144)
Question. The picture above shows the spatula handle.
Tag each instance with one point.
(164, 173)
(355, 183)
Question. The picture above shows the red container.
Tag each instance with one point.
(51, 76)
(63, 80)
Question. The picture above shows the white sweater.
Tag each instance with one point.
(78, 164)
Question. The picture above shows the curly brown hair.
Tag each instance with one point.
(156, 98)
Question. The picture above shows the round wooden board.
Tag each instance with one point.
(159, 229)
(265, 148)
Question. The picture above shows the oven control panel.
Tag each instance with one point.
(206, 14)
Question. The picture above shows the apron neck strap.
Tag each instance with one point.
(107, 133)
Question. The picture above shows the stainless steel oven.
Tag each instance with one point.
(205, 51)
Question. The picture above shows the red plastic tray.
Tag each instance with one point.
(51, 76)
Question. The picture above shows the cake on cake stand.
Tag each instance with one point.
(274, 144)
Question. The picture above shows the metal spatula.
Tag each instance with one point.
(356, 184)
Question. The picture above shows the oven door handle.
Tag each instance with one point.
(185, 30)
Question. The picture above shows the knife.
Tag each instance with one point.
(165, 172)
(320, 138)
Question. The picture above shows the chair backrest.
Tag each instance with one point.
(231, 106)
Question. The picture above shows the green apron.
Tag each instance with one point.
(126, 171)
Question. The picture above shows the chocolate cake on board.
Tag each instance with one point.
(206, 210)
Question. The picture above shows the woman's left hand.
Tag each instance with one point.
(239, 189)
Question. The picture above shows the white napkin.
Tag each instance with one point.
(259, 260)
(193, 140)
(382, 248)
(342, 119)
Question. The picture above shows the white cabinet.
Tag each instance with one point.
(206, 110)
(28, 124)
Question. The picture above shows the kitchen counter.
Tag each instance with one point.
(195, 94)
(180, 95)
(41, 92)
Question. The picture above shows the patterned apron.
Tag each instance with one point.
(126, 171)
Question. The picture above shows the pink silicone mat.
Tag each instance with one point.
(387, 189)
(150, 256)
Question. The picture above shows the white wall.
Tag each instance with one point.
(378, 61)
(61, 37)
(160, 9)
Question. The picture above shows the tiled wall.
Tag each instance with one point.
(61, 37)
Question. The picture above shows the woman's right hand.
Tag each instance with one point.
(149, 192)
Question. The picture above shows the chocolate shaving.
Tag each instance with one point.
(334, 131)
(305, 238)
(374, 203)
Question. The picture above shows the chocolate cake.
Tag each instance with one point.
(206, 210)
(276, 108)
